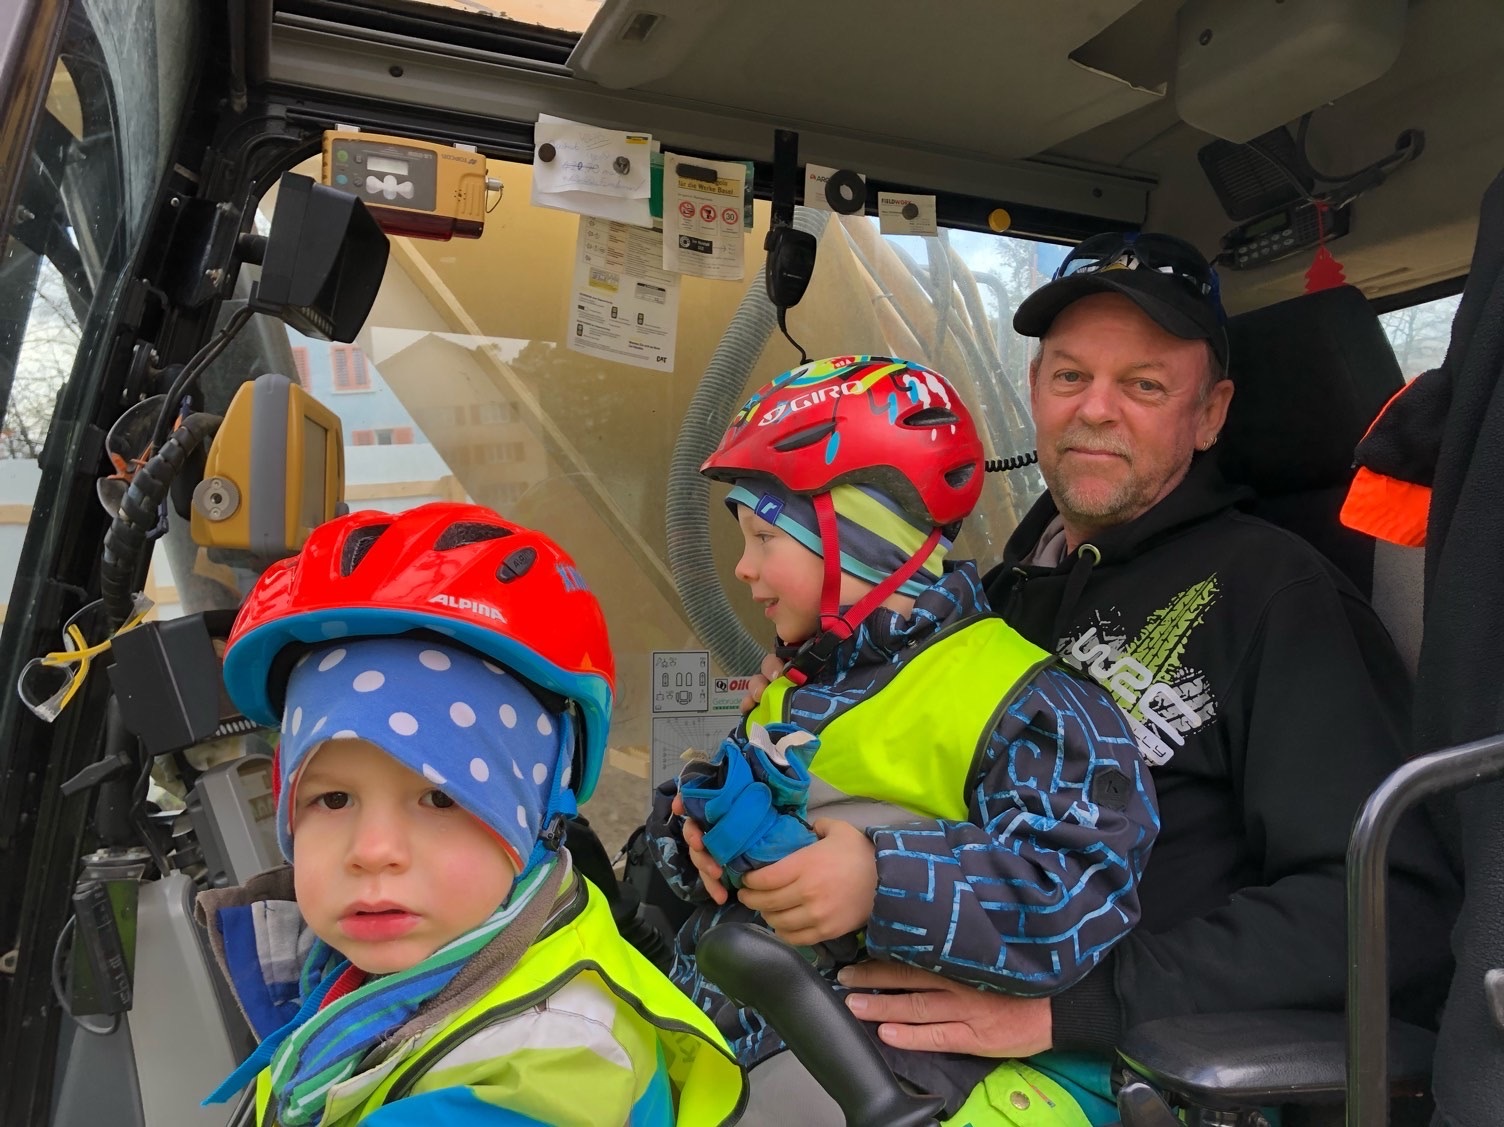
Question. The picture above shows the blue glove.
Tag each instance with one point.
(780, 755)
(750, 798)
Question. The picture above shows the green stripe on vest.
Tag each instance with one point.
(917, 746)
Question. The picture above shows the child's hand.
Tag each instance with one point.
(770, 671)
(824, 891)
(708, 867)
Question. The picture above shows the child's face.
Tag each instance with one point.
(786, 577)
(387, 868)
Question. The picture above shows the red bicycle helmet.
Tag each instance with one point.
(861, 420)
(459, 570)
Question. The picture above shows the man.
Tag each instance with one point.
(1262, 689)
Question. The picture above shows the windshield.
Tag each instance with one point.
(102, 143)
(562, 15)
(463, 386)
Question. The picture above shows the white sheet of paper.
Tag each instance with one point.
(590, 159)
(891, 219)
(815, 177)
(702, 218)
(600, 172)
(623, 305)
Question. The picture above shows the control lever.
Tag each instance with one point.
(754, 967)
(1141, 1106)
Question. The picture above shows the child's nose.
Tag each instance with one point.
(744, 570)
(378, 842)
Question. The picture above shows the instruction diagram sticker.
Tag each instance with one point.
(681, 681)
(623, 306)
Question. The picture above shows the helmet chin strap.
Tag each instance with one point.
(835, 627)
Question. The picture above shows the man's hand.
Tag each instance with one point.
(937, 1015)
(771, 670)
(821, 892)
(707, 866)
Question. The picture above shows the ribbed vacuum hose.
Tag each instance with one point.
(688, 502)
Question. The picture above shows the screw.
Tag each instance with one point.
(395, 71)
(214, 277)
(1205, 37)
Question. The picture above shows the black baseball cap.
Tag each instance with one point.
(1164, 276)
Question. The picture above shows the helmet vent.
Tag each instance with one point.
(959, 476)
(931, 417)
(357, 545)
(469, 532)
(806, 437)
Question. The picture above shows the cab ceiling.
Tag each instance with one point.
(991, 77)
(1068, 104)
(1088, 82)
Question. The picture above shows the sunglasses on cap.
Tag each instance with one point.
(1163, 254)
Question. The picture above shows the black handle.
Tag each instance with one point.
(744, 960)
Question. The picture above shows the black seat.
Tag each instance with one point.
(1311, 374)
(1229, 1061)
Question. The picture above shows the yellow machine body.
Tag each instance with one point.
(411, 187)
(275, 472)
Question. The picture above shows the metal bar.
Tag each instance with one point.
(30, 32)
(1367, 911)
(310, 56)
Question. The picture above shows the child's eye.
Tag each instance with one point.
(439, 800)
(333, 800)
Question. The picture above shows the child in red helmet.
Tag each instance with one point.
(443, 683)
(966, 804)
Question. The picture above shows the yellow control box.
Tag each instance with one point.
(415, 188)
(275, 472)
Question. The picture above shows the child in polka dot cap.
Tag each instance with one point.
(443, 684)
(463, 723)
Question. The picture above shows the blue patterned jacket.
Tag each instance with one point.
(1029, 892)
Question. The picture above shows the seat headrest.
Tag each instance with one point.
(1311, 374)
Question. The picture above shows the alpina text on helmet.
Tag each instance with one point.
(485, 610)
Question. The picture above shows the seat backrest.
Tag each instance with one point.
(1311, 374)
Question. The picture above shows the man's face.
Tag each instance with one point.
(1119, 407)
(388, 869)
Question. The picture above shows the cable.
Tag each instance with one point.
(191, 371)
(61, 995)
(784, 329)
(136, 518)
(1017, 462)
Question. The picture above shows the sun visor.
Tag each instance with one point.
(1243, 69)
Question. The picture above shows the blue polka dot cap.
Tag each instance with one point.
(462, 722)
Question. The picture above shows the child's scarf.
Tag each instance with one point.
(321, 1047)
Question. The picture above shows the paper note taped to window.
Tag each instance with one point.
(623, 306)
(592, 171)
(703, 210)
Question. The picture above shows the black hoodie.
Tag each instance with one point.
(1270, 701)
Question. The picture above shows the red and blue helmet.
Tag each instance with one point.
(894, 425)
(461, 571)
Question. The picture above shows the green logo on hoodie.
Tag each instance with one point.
(1164, 699)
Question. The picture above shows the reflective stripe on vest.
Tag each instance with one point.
(709, 1084)
(919, 749)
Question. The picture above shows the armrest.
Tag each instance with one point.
(754, 967)
(1268, 1057)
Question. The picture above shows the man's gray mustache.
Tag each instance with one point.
(1091, 444)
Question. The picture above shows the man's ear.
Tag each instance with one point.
(1214, 414)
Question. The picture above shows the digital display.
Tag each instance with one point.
(315, 474)
(387, 164)
(1276, 222)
